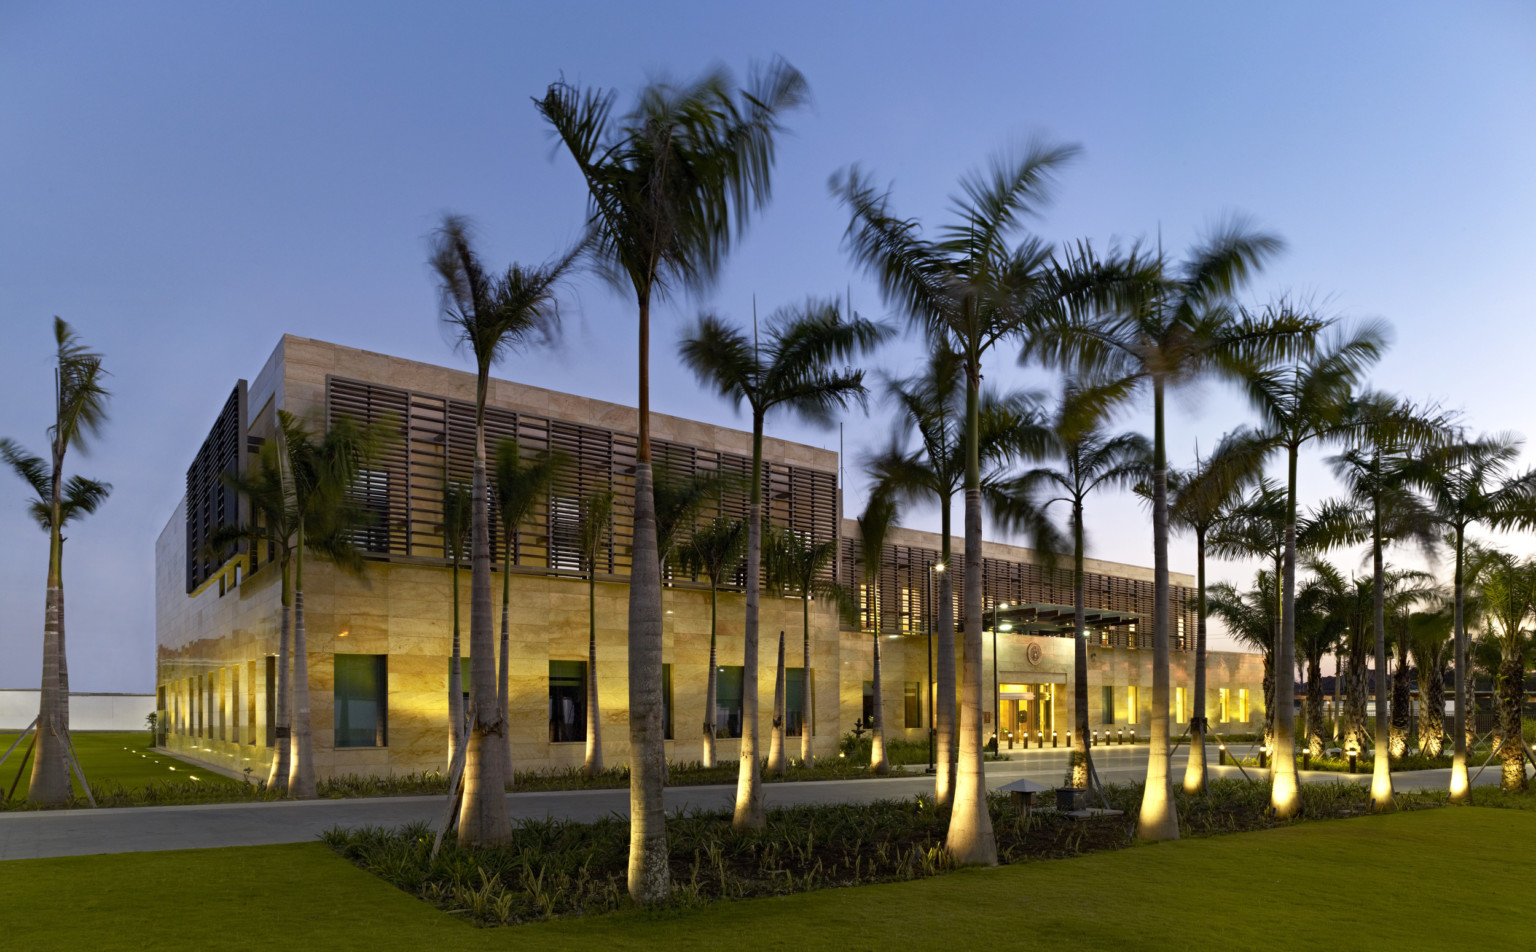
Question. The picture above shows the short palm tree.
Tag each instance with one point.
(715, 549)
(490, 314)
(931, 405)
(80, 411)
(1090, 459)
(794, 369)
(1320, 621)
(1429, 634)
(669, 185)
(875, 523)
(595, 532)
(1471, 483)
(518, 486)
(806, 565)
(967, 290)
(1300, 401)
(1507, 586)
(1250, 619)
(1176, 324)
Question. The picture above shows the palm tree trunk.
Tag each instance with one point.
(807, 701)
(301, 776)
(1460, 785)
(1080, 753)
(749, 813)
(594, 762)
(650, 879)
(970, 839)
(1358, 674)
(1511, 696)
(1381, 766)
(49, 782)
(1196, 773)
(776, 739)
(1159, 819)
(1402, 716)
(1267, 688)
(1285, 795)
(503, 673)
(1432, 711)
(455, 680)
(877, 761)
(945, 748)
(63, 703)
(1315, 723)
(711, 685)
(282, 748)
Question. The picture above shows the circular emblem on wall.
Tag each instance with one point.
(1033, 652)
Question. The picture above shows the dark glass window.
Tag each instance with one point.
(1107, 715)
(912, 708)
(794, 701)
(271, 701)
(567, 701)
(728, 701)
(869, 704)
(666, 700)
(361, 708)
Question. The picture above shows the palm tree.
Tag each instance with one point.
(1198, 501)
(1320, 622)
(596, 527)
(490, 315)
(1302, 401)
(932, 404)
(795, 370)
(1471, 483)
(1179, 326)
(805, 566)
(875, 523)
(518, 486)
(1398, 648)
(1507, 586)
(456, 526)
(967, 291)
(1429, 634)
(80, 410)
(669, 185)
(715, 549)
(79, 497)
(1250, 619)
(1090, 459)
(1385, 432)
(327, 519)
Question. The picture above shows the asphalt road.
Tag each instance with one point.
(124, 830)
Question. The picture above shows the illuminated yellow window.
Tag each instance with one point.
(1132, 703)
(1242, 705)
(866, 617)
(1180, 716)
(906, 611)
(1223, 708)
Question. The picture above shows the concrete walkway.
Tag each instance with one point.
(125, 830)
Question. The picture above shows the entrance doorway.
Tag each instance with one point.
(1027, 708)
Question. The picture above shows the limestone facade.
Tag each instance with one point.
(217, 639)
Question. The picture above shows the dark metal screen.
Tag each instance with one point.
(211, 502)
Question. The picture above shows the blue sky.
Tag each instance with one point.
(184, 182)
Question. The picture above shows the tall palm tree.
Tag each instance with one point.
(490, 314)
(715, 549)
(518, 486)
(80, 411)
(80, 497)
(456, 527)
(1507, 586)
(968, 290)
(806, 563)
(1301, 401)
(1472, 483)
(327, 517)
(1384, 433)
(796, 370)
(1429, 635)
(875, 523)
(1180, 326)
(669, 185)
(595, 530)
(1090, 459)
(931, 404)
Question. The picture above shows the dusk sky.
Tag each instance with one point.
(186, 182)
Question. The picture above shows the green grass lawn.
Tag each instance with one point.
(126, 759)
(1441, 877)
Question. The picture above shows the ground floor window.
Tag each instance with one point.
(666, 701)
(1107, 705)
(794, 701)
(271, 701)
(567, 701)
(912, 707)
(1132, 703)
(1224, 705)
(1243, 713)
(728, 701)
(868, 714)
(1180, 716)
(361, 700)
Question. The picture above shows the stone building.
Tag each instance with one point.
(378, 644)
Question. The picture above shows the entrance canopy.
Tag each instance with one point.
(1044, 619)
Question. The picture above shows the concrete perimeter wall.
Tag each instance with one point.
(87, 712)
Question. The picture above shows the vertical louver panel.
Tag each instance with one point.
(211, 502)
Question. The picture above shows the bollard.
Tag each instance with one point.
(1306, 760)
(1221, 754)
(1263, 758)
(1053, 737)
(1095, 740)
(1352, 762)
(1040, 738)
